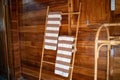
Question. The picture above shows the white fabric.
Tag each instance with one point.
(50, 47)
(54, 22)
(52, 34)
(64, 52)
(51, 41)
(62, 66)
(53, 28)
(61, 73)
(54, 16)
(63, 59)
(66, 38)
(65, 45)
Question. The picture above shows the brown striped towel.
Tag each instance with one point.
(64, 55)
(52, 30)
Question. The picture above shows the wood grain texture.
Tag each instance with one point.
(31, 32)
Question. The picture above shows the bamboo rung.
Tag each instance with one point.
(112, 42)
(70, 13)
(52, 63)
(112, 24)
(48, 62)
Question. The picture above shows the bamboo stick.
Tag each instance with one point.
(43, 46)
(97, 48)
(52, 63)
(111, 24)
(100, 43)
(74, 13)
(76, 36)
(112, 42)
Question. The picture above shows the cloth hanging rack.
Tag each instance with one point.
(57, 36)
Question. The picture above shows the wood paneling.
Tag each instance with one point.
(3, 52)
(115, 63)
(14, 33)
(116, 13)
(30, 32)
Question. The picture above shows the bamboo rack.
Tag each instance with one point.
(69, 32)
(100, 43)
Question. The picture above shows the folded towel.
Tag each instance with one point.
(52, 30)
(55, 15)
(64, 55)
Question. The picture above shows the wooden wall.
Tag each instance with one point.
(115, 31)
(115, 62)
(29, 32)
(13, 33)
(3, 53)
(116, 12)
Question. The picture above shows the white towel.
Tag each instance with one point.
(64, 55)
(52, 30)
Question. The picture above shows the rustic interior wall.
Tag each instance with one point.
(28, 19)
(14, 39)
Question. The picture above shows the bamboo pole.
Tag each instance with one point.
(107, 42)
(74, 13)
(112, 24)
(97, 48)
(76, 36)
(43, 46)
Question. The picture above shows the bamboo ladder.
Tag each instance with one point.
(100, 43)
(69, 31)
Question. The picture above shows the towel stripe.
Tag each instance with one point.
(50, 47)
(52, 25)
(54, 16)
(62, 62)
(53, 28)
(64, 70)
(52, 34)
(62, 66)
(63, 59)
(66, 38)
(54, 19)
(52, 38)
(65, 56)
(49, 31)
(65, 49)
(54, 22)
(50, 41)
(64, 52)
(65, 45)
(61, 73)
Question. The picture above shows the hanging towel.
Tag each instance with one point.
(64, 55)
(52, 30)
